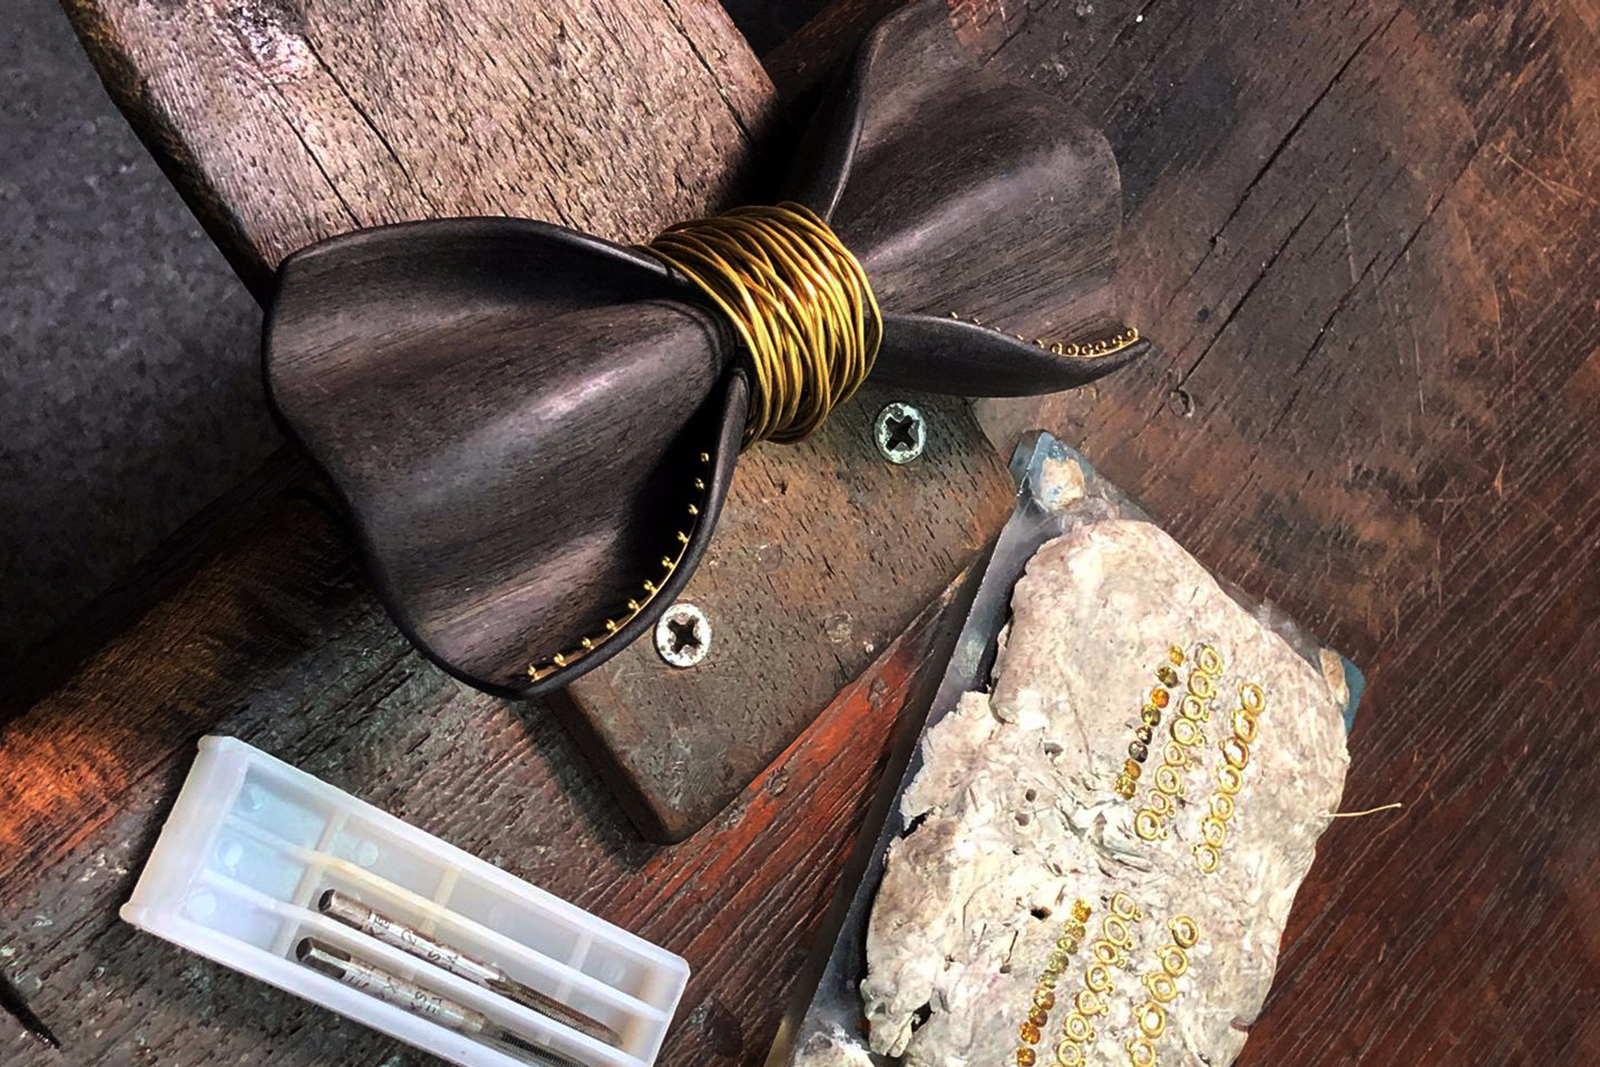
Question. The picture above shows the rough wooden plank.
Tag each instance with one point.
(286, 121)
(798, 606)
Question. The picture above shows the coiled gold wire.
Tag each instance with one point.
(799, 301)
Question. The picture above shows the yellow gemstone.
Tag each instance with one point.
(1132, 769)
(1043, 998)
(1026, 1057)
(1175, 654)
(1081, 911)
(1029, 1032)
(1068, 944)
(1151, 715)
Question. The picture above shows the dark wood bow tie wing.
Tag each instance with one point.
(533, 431)
(965, 196)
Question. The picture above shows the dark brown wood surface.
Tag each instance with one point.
(284, 123)
(1367, 237)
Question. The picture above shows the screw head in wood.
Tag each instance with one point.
(683, 635)
(901, 433)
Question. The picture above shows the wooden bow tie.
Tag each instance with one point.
(534, 429)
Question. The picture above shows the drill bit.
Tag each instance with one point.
(409, 939)
(391, 988)
(11, 1000)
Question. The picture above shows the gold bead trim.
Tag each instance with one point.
(1188, 736)
(1104, 346)
(649, 591)
(1044, 991)
(1246, 723)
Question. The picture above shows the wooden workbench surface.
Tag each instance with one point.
(1365, 238)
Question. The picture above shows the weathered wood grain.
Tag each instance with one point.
(822, 43)
(286, 121)
(1367, 235)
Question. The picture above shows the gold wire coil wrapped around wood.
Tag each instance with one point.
(799, 300)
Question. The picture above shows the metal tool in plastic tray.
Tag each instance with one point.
(826, 1004)
(282, 877)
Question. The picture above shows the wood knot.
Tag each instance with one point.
(271, 36)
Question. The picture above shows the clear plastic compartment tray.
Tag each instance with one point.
(252, 844)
